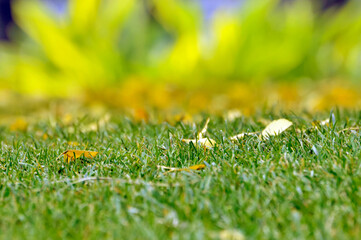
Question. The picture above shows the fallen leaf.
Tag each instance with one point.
(187, 169)
(71, 155)
(276, 127)
(204, 142)
(201, 140)
(242, 135)
(204, 130)
(197, 167)
(325, 122)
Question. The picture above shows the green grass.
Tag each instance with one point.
(267, 189)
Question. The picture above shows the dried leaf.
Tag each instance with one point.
(71, 155)
(193, 168)
(325, 122)
(204, 142)
(201, 140)
(204, 130)
(242, 135)
(276, 127)
(197, 167)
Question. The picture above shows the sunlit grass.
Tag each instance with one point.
(303, 183)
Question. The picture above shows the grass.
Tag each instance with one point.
(298, 185)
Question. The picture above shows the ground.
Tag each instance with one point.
(302, 184)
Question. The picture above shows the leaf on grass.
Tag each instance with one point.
(204, 142)
(197, 167)
(201, 140)
(276, 127)
(188, 169)
(204, 130)
(325, 122)
(242, 135)
(71, 155)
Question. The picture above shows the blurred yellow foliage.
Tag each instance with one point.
(163, 55)
(20, 124)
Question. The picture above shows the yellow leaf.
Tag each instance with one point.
(20, 124)
(207, 142)
(204, 130)
(187, 169)
(71, 155)
(204, 142)
(276, 127)
(201, 140)
(197, 167)
(242, 135)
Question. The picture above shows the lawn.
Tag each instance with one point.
(301, 184)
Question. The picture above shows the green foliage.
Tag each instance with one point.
(101, 43)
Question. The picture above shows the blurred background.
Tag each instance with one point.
(181, 56)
